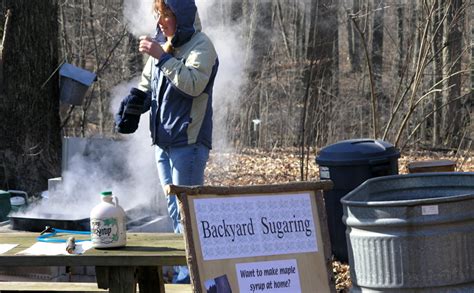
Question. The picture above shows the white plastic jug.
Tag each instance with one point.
(108, 223)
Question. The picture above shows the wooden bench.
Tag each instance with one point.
(57, 287)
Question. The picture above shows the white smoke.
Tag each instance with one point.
(92, 165)
(138, 15)
(229, 81)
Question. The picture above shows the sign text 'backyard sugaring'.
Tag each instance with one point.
(255, 225)
(278, 228)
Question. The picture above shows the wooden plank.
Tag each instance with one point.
(143, 249)
(74, 287)
(49, 287)
(189, 240)
(229, 190)
(178, 288)
(431, 166)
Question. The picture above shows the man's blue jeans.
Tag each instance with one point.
(181, 166)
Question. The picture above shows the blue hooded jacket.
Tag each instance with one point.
(181, 83)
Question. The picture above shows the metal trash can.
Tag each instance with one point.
(349, 163)
(412, 233)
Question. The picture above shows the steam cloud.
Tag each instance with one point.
(139, 17)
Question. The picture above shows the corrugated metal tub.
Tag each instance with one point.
(412, 233)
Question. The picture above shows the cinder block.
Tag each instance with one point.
(36, 273)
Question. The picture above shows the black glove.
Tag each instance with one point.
(131, 107)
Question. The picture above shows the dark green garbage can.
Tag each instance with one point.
(5, 205)
(349, 163)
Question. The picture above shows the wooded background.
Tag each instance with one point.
(314, 72)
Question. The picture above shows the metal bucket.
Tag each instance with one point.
(74, 83)
(412, 233)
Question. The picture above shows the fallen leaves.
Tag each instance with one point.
(342, 276)
(254, 166)
(251, 167)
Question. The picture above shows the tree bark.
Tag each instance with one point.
(377, 57)
(437, 70)
(471, 105)
(401, 39)
(454, 50)
(353, 37)
(30, 140)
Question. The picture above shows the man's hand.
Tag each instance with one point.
(150, 47)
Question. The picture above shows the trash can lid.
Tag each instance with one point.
(356, 152)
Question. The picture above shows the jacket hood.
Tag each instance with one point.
(187, 22)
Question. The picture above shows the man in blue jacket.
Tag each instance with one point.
(176, 86)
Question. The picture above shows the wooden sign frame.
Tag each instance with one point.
(311, 269)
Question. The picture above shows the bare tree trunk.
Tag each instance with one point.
(30, 141)
(353, 37)
(377, 44)
(436, 45)
(235, 10)
(454, 50)
(377, 58)
(321, 77)
(471, 99)
(258, 48)
(401, 38)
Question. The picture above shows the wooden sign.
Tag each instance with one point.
(267, 238)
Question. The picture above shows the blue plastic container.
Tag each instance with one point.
(348, 164)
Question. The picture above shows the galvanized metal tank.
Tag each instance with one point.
(412, 233)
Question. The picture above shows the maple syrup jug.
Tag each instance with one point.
(108, 223)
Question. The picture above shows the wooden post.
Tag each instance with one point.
(102, 276)
(122, 280)
(116, 279)
(150, 279)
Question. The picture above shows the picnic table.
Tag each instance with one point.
(118, 270)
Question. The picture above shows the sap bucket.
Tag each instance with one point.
(108, 223)
(74, 83)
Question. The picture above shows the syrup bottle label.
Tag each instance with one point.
(105, 231)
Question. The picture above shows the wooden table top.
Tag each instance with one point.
(143, 249)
